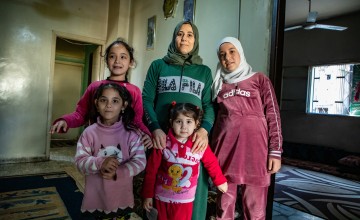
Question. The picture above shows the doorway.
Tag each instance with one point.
(76, 65)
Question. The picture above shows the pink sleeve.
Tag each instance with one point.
(272, 115)
(81, 114)
(139, 110)
(137, 161)
(85, 161)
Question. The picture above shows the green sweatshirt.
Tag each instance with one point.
(166, 83)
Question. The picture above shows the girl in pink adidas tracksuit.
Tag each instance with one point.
(247, 137)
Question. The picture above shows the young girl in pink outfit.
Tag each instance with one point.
(247, 136)
(171, 174)
(119, 57)
(110, 153)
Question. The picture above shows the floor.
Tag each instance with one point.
(62, 157)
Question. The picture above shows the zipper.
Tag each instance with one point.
(181, 74)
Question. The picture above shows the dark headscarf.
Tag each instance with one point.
(175, 57)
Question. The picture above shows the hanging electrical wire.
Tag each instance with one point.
(75, 42)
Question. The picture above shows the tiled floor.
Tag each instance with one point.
(61, 157)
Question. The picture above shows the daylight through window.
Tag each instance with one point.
(334, 89)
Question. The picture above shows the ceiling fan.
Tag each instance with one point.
(311, 23)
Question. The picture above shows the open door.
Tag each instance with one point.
(73, 72)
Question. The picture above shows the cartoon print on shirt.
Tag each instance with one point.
(111, 151)
(176, 171)
(185, 182)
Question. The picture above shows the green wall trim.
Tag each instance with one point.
(69, 59)
(89, 49)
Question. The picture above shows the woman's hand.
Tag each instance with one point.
(274, 165)
(200, 140)
(59, 126)
(148, 204)
(159, 139)
(109, 167)
(146, 140)
(223, 187)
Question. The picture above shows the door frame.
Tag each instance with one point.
(275, 74)
(99, 69)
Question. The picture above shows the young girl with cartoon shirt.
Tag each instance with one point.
(110, 153)
(171, 174)
(119, 57)
(247, 137)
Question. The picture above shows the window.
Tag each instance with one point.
(334, 89)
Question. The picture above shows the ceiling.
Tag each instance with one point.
(297, 10)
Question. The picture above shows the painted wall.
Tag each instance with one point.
(26, 67)
(27, 52)
(118, 20)
(318, 47)
(255, 31)
(67, 82)
(247, 19)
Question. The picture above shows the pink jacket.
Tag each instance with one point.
(81, 115)
(247, 130)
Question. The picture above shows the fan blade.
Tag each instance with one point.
(330, 27)
(312, 17)
(293, 28)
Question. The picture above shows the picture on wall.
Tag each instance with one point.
(169, 8)
(189, 10)
(151, 28)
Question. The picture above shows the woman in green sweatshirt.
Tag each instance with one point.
(181, 77)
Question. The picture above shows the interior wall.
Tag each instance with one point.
(26, 103)
(26, 65)
(118, 21)
(141, 11)
(255, 32)
(67, 82)
(211, 30)
(318, 47)
(213, 22)
(66, 94)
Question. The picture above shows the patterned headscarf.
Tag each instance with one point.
(175, 57)
(242, 72)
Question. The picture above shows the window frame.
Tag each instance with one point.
(347, 93)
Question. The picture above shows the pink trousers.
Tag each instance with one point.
(253, 202)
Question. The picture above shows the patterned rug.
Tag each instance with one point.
(38, 203)
(47, 196)
(319, 194)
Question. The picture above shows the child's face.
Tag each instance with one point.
(119, 61)
(183, 126)
(109, 106)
